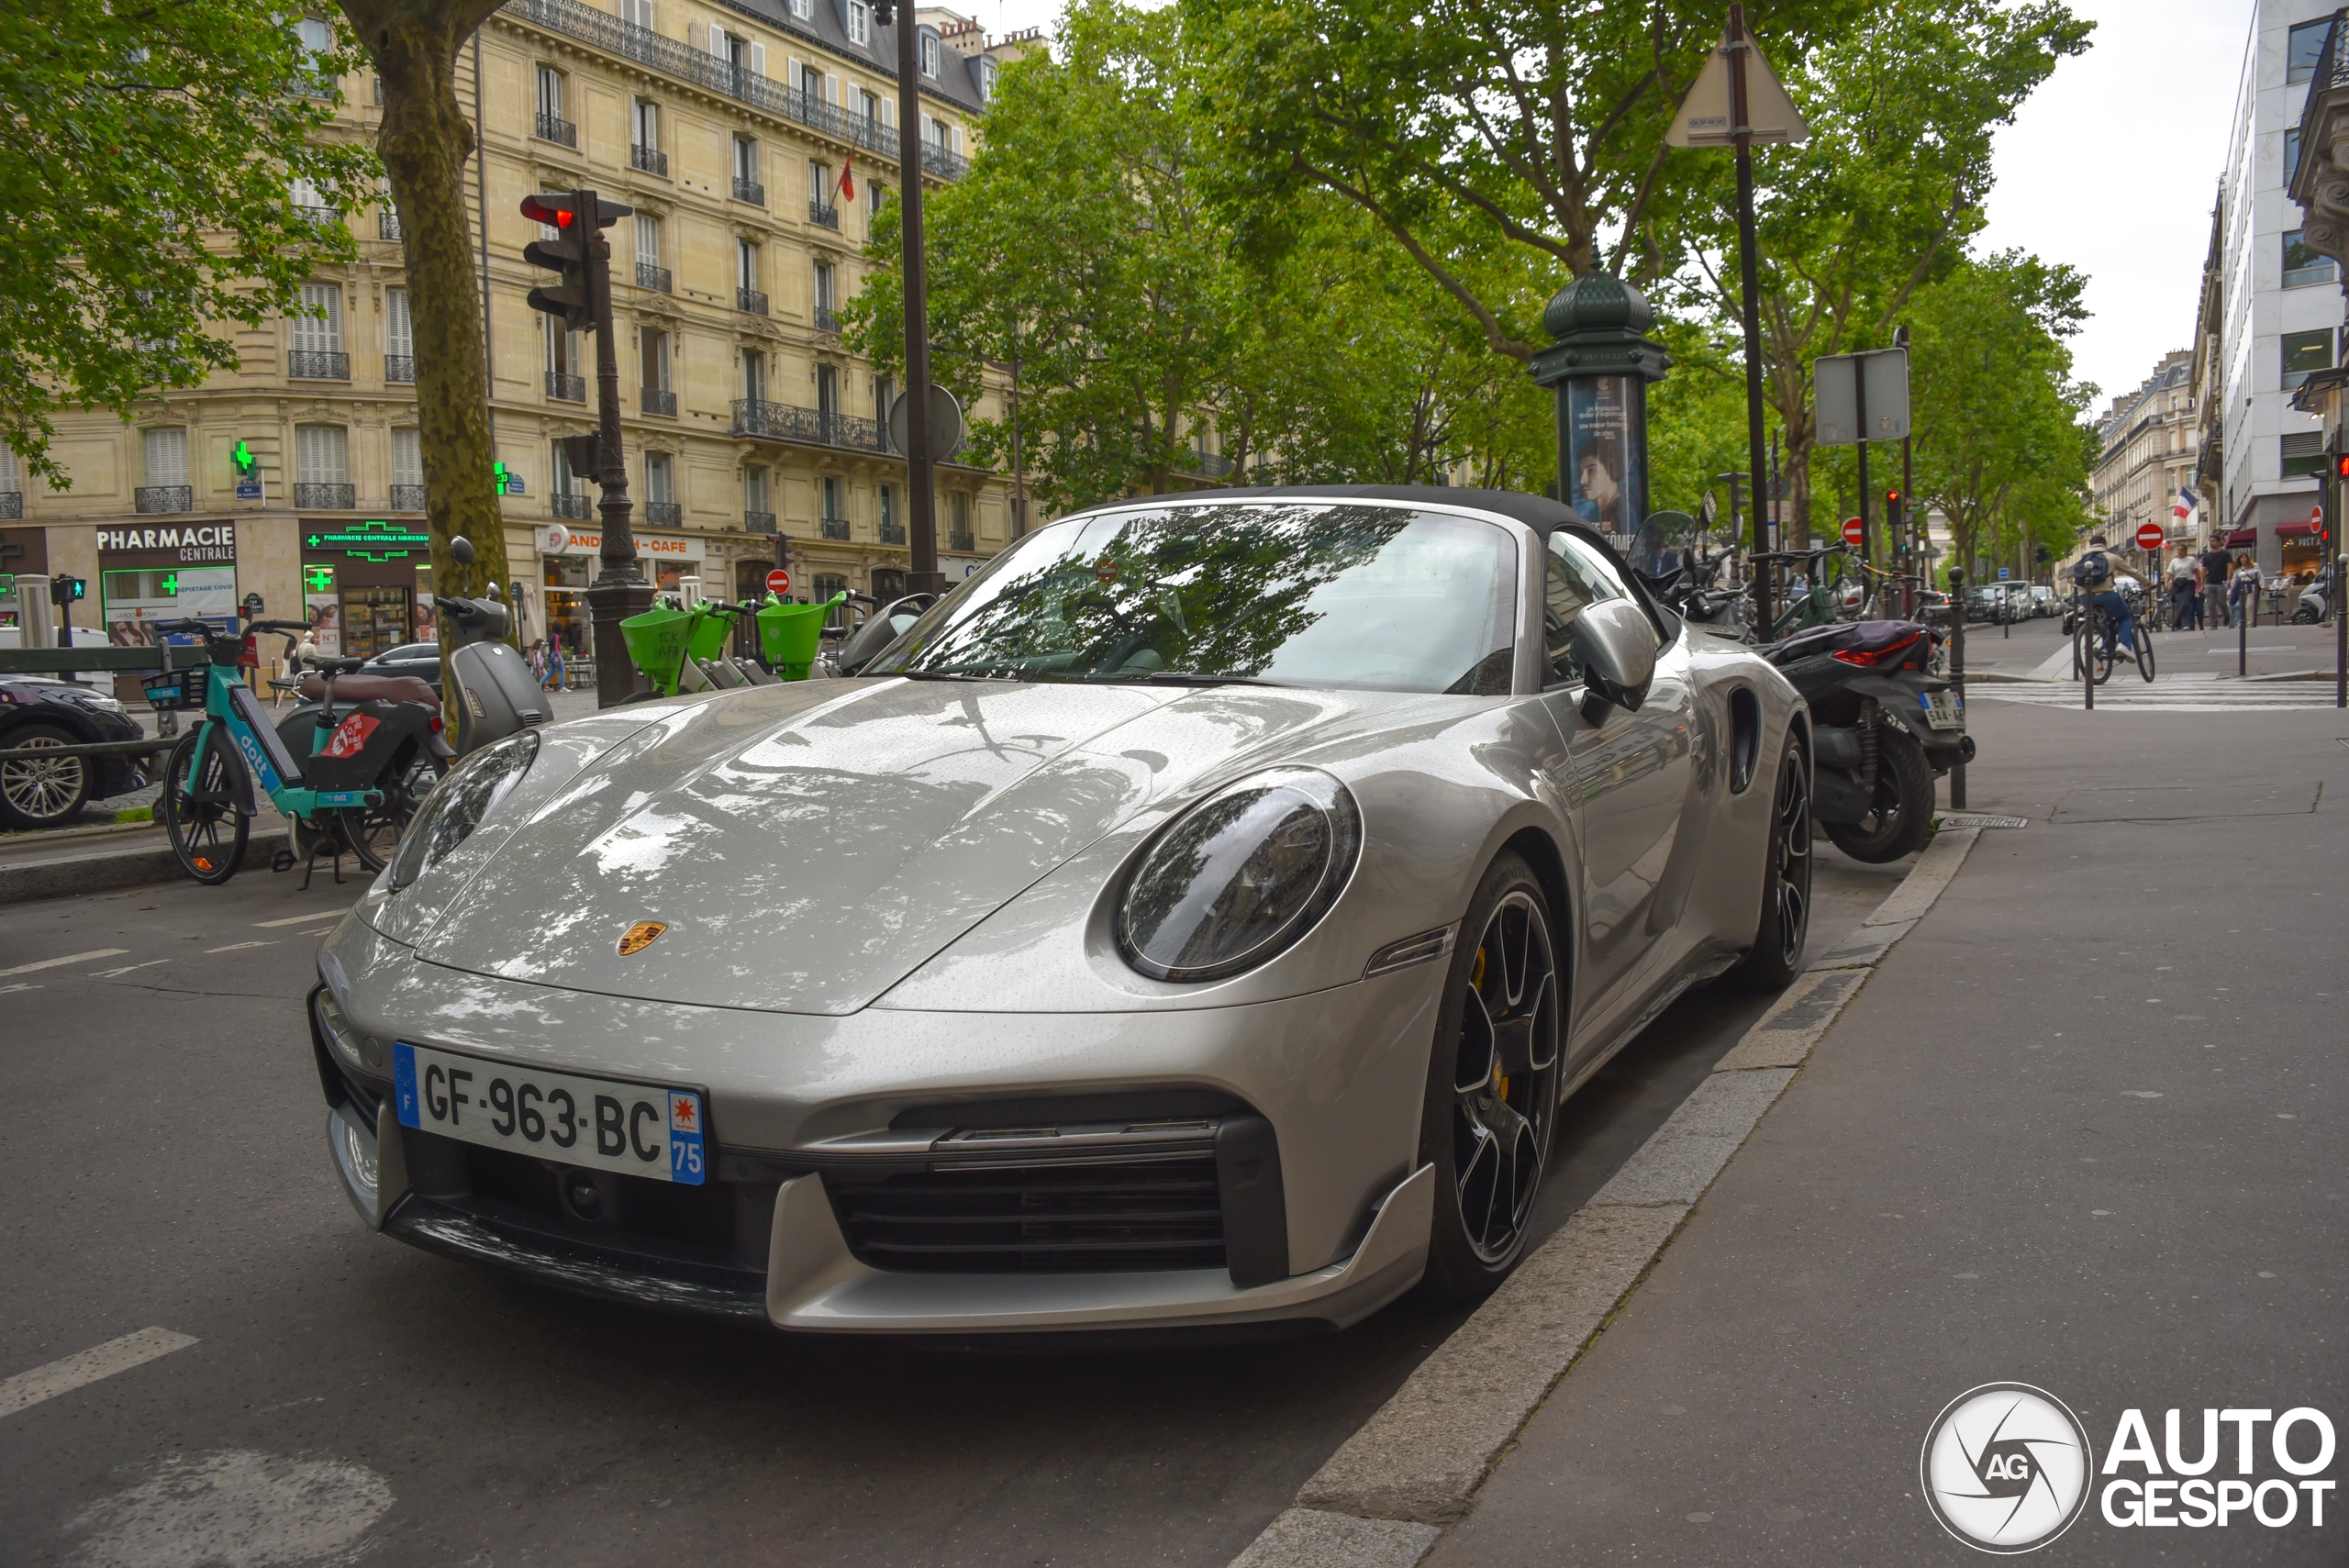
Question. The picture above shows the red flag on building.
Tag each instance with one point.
(848, 178)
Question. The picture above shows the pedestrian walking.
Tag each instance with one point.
(555, 675)
(2185, 591)
(2243, 594)
(538, 662)
(2216, 567)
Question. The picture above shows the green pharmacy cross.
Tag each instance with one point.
(171, 585)
(317, 579)
(241, 458)
(370, 541)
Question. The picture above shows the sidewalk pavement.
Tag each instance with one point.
(2038, 649)
(2085, 1128)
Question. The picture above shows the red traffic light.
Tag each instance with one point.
(555, 210)
(1892, 497)
(2341, 465)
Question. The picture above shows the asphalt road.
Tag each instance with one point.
(165, 1168)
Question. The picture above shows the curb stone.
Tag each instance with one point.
(1384, 1499)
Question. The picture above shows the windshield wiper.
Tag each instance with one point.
(1187, 678)
(943, 676)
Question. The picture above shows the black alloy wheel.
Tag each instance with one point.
(1493, 1087)
(41, 792)
(1775, 957)
(200, 815)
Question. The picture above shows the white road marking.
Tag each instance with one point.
(19, 985)
(61, 962)
(30, 1388)
(126, 969)
(303, 919)
(235, 1505)
(238, 947)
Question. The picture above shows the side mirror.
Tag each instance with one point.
(1620, 646)
(493, 592)
(461, 551)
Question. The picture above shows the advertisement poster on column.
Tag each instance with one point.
(1605, 435)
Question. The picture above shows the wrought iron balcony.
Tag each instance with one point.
(758, 522)
(833, 527)
(959, 538)
(400, 369)
(317, 364)
(824, 320)
(12, 504)
(565, 505)
(387, 224)
(602, 30)
(408, 497)
(893, 533)
(649, 276)
(325, 498)
(1208, 465)
(151, 499)
(660, 400)
(652, 159)
(555, 129)
(750, 191)
(823, 214)
(751, 301)
(758, 418)
(664, 513)
(569, 388)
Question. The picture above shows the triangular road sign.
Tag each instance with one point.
(1704, 119)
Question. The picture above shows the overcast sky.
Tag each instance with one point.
(2111, 167)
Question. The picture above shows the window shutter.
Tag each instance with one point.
(693, 35)
(718, 42)
(758, 60)
(958, 141)
(831, 88)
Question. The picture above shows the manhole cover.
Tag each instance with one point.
(1964, 819)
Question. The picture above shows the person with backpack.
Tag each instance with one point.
(2092, 575)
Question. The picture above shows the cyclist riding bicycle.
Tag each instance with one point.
(2093, 575)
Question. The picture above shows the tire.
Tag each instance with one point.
(206, 830)
(43, 792)
(2304, 615)
(1775, 957)
(1903, 807)
(372, 834)
(2144, 653)
(2099, 650)
(1502, 1023)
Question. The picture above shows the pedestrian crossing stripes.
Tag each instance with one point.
(2205, 695)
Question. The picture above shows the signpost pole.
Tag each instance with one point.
(619, 590)
(1749, 278)
(921, 471)
(1860, 401)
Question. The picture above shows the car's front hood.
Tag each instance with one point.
(807, 846)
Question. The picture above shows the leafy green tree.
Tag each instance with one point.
(2002, 445)
(170, 167)
(425, 142)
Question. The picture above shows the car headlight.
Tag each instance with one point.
(459, 803)
(1240, 877)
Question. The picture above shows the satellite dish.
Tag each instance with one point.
(946, 427)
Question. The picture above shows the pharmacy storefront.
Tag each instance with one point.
(366, 587)
(570, 559)
(149, 574)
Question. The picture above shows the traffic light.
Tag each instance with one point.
(241, 459)
(64, 591)
(578, 246)
(1892, 504)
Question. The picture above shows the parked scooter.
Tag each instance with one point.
(497, 695)
(1884, 729)
(2315, 602)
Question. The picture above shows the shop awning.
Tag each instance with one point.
(2241, 539)
(2294, 530)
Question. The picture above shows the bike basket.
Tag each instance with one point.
(175, 690)
(789, 633)
(656, 644)
(708, 633)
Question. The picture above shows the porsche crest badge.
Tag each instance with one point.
(641, 935)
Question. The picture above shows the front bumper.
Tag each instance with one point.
(802, 1108)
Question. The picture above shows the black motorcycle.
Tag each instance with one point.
(1884, 729)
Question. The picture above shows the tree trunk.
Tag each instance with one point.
(423, 144)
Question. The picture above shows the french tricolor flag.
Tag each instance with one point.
(2183, 507)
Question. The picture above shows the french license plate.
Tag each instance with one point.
(1942, 712)
(639, 1129)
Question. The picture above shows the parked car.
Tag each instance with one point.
(421, 659)
(1197, 919)
(42, 711)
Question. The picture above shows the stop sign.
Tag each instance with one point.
(2150, 535)
(1853, 534)
(778, 582)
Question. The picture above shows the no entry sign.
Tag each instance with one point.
(1852, 530)
(778, 582)
(2150, 535)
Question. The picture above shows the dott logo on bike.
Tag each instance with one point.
(2005, 1467)
(641, 935)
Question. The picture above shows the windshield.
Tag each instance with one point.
(1302, 594)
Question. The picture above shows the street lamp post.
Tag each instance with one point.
(921, 468)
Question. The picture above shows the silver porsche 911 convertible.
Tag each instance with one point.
(1195, 919)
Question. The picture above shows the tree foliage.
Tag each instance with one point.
(169, 167)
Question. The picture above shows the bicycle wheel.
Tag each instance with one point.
(200, 817)
(2144, 653)
(2097, 648)
(372, 832)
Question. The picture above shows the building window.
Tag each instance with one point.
(826, 299)
(407, 470)
(653, 355)
(885, 394)
(659, 477)
(319, 330)
(859, 22)
(2304, 352)
(754, 376)
(2291, 152)
(167, 455)
(828, 390)
(987, 79)
(322, 467)
(644, 137)
(553, 124)
(746, 265)
(2303, 266)
(2303, 452)
(566, 360)
(824, 585)
(564, 482)
(828, 491)
(803, 9)
(758, 507)
(2303, 47)
(958, 528)
(399, 338)
(648, 240)
(746, 171)
(930, 53)
(888, 511)
(638, 13)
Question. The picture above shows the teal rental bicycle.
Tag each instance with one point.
(355, 787)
